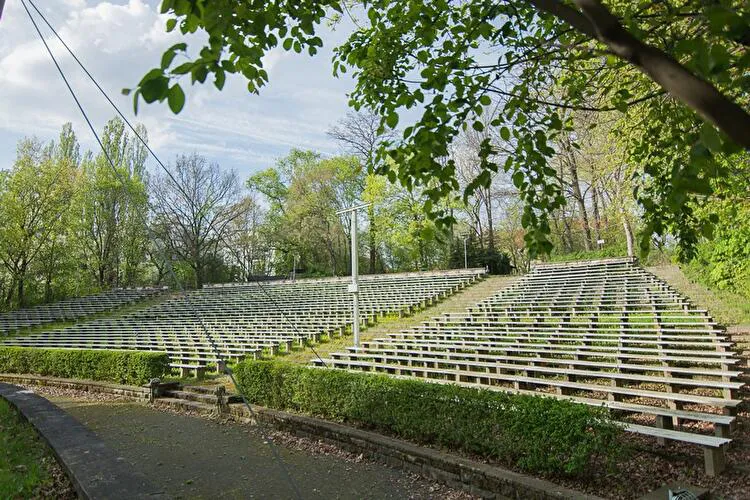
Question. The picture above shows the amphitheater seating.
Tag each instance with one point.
(603, 333)
(74, 309)
(246, 320)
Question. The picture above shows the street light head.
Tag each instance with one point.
(353, 208)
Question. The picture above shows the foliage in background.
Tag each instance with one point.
(122, 367)
(723, 262)
(534, 433)
(478, 256)
(666, 65)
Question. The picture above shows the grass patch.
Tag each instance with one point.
(727, 307)
(25, 461)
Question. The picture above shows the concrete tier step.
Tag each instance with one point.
(209, 399)
(185, 405)
(198, 389)
(202, 393)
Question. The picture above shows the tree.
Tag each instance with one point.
(113, 207)
(304, 192)
(361, 135)
(244, 245)
(195, 204)
(34, 197)
(638, 56)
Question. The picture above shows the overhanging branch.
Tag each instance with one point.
(596, 21)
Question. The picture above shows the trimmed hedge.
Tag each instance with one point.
(122, 367)
(536, 434)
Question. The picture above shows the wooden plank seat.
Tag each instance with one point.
(546, 361)
(728, 388)
(707, 336)
(713, 447)
(559, 339)
(572, 352)
(615, 351)
(482, 378)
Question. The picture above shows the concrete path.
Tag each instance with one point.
(192, 457)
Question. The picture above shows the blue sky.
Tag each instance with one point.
(119, 41)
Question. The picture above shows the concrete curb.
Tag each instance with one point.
(95, 471)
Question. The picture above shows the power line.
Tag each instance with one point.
(170, 268)
(143, 141)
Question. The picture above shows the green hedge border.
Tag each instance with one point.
(122, 367)
(536, 434)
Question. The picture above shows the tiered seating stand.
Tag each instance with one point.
(602, 333)
(236, 321)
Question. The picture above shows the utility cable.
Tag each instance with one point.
(151, 151)
(177, 282)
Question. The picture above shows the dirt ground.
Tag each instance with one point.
(192, 457)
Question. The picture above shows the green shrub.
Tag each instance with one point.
(535, 433)
(123, 367)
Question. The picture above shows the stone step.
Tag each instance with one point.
(198, 389)
(184, 405)
(192, 396)
(200, 393)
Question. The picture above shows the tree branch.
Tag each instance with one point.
(596, 21)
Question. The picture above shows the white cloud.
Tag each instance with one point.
(119, 42)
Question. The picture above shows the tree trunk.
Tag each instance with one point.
(21, 290)
(490, 227)
(597, 218)
(628, 234)
(567, 234)
(372, 239)
(198, 275)
(579, 199)
(603, 206)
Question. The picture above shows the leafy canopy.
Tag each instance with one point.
(539, 58)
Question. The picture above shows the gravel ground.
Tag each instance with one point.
(645, 467)
(194, 457)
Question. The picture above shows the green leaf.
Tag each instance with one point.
(171, 23)
(518, 179)
(392, 120)
(176, 98)
(710, 138)
(504, 133)
(167, 58)
(220, 78)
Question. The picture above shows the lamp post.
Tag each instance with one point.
(294, 268)
(354, 287)
(466, 258)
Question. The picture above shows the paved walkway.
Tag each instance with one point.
(191, 457)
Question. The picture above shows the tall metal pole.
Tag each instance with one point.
(355, 280)
(466, 258)
(354, 287)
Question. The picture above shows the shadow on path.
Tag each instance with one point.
(191, 457)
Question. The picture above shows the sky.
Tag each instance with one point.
(119, 41)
